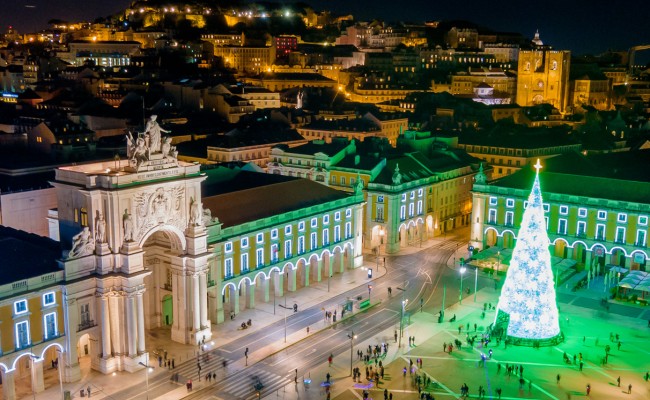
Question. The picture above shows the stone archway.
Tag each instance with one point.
(490, 238)
(167, 310)
(508, 240)
(560, 248)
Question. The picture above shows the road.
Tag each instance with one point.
(421, 274)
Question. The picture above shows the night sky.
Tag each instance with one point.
(583, 26)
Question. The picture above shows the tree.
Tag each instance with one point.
(527, 306)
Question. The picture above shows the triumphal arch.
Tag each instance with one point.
(137, 255)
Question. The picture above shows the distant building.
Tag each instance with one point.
(246, 59)
(543, 77)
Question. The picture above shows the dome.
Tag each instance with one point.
(536, 40)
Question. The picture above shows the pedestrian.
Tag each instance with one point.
(629, 389)
(581, 365)
(619, 345)
(618, 381)
(308, 330)
(232, 315)
(173, 363)
(588, 389)
(647, 376)
(444, 347)
(557, 379)
(499, 392)
(395, 335)
(88, 389)
(413, 340)
(499, 368)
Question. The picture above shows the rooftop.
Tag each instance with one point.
(25, 255)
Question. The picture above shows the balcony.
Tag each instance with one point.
(86, 325)
(167, 286)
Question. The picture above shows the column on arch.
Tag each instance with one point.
(196, 303)
(278, 284)
(292, 280)
(203, 293)
(140, 310)
(250, 294)
(131, 325)
(106, 328)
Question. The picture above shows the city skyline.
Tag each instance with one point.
(562, 30)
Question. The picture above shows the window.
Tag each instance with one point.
(643, 220)
(621, 218)
(326, 237)
(402, 213)
(561, 226)
(287, 249)
(84, 217)
(640, 238)
(412, 194)
(342, 181)
(259, 261)
(403, 196)
(602, 215)
(419, 207)
(287, 230)
(351, 181)
(348, 213)
(49, 299)
(20, 307)
(333, 179)
(259, 238)
(492, 217)
(337, 233)
(337, 216)
(326, 219)
(547, 207)
(564, 210)
(493, 201)
(411, 209)
(510, 203)
(22, 334)
(274, 253)
(274, 234)
(380, 199)
(600, 232)
(380, 212)
(420, 192)
(49, 320)
(244, 262)
(314, 223)
(228, 247)
(228, 268)
(313, 243)
(620, 235)
(301, 244)
(510, 217)
(301, 226)
(244, 243)
(582, 228)
(582, 212)
(348, 230)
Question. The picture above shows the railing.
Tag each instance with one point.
(85, 325)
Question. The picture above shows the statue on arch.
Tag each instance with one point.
(127, 224)
(82, 244)
(196, 212)
(153, 131)
(100, 228)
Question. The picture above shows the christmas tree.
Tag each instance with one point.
(527, 309)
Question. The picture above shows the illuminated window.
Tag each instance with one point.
(602, 215)
(259, 258)
(348, 213)
(582, 212)
(337, 233)
(509, 218)
(600, 232)
(403, 196)
(228, 247)
(287, 249)
(259, 238)
(326, 219)
(301, 226)
(228, 268)
(348, 230)
(564, 210)
(561, 226)
(640, 238)
(510, 203)
(402, 213)
(582, 228)
(492, 216)
(620, 235)
(244, 262)
(274, 253)
(337, 216)
(244, 243)
(84, 217)
(274, 234)
(22, 334)
(49, 299)
(643, 220)
(287, 230)
(49, 320)
(547, 207)
(314, 222)
(326, 237)
(493, 201)
(621, 218)
(20, 307)
(301, 244)
(314, 241)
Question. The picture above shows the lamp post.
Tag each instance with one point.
(496, 272)
(59, 366)
(369, 290)
(475, 282)
(462, 274)
(147, 369)
(284, 307)
(329, 276)
(401, 321)
(351, 336)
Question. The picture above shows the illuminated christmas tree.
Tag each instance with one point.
(527, 308)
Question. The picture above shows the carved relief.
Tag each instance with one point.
(160, 207)
(83, 244)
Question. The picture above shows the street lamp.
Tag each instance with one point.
(147, 369)
(369, 290)
(496, 273)
(475, 282)
(462, 274)
(285, 309)
(351, 336)
(381, 240)
(328, 281)
(401, 321)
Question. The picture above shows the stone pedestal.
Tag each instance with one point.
(132, 364)
(108, 365)
(104, 259)
(131, 259)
